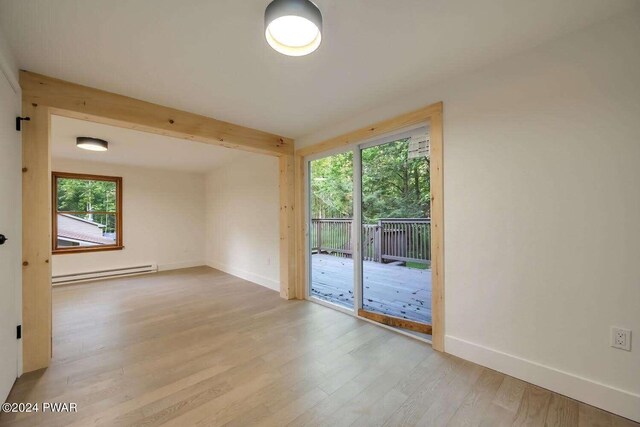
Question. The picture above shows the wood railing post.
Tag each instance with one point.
(319, 236)
(348, 237)
(377, 242)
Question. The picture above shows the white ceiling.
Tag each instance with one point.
(136, 148)
(210, 57)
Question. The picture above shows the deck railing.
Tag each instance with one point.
(391, 239)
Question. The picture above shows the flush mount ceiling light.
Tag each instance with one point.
(293, 27)
(92, 144)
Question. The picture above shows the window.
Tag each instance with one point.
(87, 213)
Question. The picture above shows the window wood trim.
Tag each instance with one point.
(54, 212)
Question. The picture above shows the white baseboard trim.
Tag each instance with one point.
(179, 265)
(612, 399)
(247, 275)
(102, 274)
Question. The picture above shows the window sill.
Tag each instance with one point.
(86, 249)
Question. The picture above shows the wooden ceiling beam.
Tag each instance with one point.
(82, 102)
(372, 131)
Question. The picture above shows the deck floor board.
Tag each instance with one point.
(389, 289)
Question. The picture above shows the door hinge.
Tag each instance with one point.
(19, 121)
(19, 332)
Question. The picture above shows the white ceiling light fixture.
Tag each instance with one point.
(293, 27)
(91, 144)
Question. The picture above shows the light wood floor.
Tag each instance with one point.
(200, 347)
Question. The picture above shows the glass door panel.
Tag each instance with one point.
(396, 233)
(330, 229)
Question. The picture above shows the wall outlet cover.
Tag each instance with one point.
(621, 338)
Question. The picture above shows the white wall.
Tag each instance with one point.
(8, 64)
(163, 219)
(542, 211)
(242, 219)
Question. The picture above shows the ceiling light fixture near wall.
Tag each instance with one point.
(293, 27)
(92, 144)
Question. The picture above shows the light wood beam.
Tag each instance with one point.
(287, 229)
(437, 230)
(36, 238)
(372, 131)
(300, 227)
(81, 102)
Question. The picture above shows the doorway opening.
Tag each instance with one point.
(369, 230)
(44, 98)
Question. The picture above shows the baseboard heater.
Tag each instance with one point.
(65, 279)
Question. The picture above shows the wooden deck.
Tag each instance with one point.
(389, 289)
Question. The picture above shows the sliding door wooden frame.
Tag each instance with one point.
(431, 114)
(396, 322)
(43, 97)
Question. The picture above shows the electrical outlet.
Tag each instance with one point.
(621, 338)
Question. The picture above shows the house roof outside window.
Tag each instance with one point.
(81, 230)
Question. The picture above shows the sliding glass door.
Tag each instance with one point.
(396, 259)
(369, 231)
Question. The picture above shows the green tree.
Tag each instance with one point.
(393, 186)
(84, 195)
(332, 186)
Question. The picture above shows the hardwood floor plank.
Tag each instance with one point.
(390, 373)
(381, 410)
(419, 401)
(510, 394)
(496, 416)
(326, 411)
(533, 406)
(445, 406)
(222, 409)
(588, 416)
(288, 413)
(623, 422)
(562, 412)
(472, 408)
